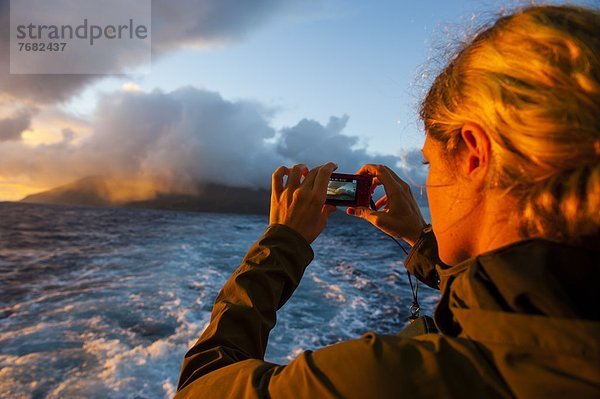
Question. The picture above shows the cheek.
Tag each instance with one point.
(436, 192)
(441, 192)
(436, 210)
(439, 212)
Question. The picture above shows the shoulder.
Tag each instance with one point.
(377, 365)
(372, 366)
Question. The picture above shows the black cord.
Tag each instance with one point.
(414, 309)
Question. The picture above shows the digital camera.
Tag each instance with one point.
(349, 190)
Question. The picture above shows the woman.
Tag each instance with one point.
(513, 143)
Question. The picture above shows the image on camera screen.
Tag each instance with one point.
(341, 189)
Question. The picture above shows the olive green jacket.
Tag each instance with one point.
(521, 321)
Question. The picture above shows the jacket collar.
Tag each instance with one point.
(536, 282)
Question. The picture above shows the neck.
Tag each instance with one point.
(496, 224)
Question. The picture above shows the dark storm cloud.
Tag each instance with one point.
(175, 24)
(32, 88)
(205, 22)
(11, 128)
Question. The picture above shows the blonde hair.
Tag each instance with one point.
(532, 82)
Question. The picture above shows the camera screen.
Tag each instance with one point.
(341, 189)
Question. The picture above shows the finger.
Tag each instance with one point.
(381, 202)
(377, 182)
(383, 174)
(294, 176)
(310, 178)
(277, 179)
(322, 179)
(400, 181)
(305, 172)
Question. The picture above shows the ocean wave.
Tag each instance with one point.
(104, 303)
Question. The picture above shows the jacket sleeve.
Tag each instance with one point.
(423, 259)
(244, 310)
(227, 361)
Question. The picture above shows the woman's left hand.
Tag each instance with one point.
(300, 205)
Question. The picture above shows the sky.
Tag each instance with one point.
(235, 91)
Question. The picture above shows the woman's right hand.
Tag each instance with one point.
(400, 216)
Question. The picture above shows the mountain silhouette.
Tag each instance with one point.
(94, 191)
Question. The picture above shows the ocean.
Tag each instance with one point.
(104, 302)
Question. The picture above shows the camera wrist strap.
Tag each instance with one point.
(414, 308)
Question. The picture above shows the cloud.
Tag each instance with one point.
(312, 143)
(12, 128)
(185, 136)
(172, 140)
(175, 24)
(180, 138)
(29, 89)
(202, 23)
(411, 168)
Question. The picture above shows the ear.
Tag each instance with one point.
(476, 160)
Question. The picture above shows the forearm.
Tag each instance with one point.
(245, 309)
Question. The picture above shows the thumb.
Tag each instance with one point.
(361, 212)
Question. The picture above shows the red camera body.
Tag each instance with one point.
(349, 190)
